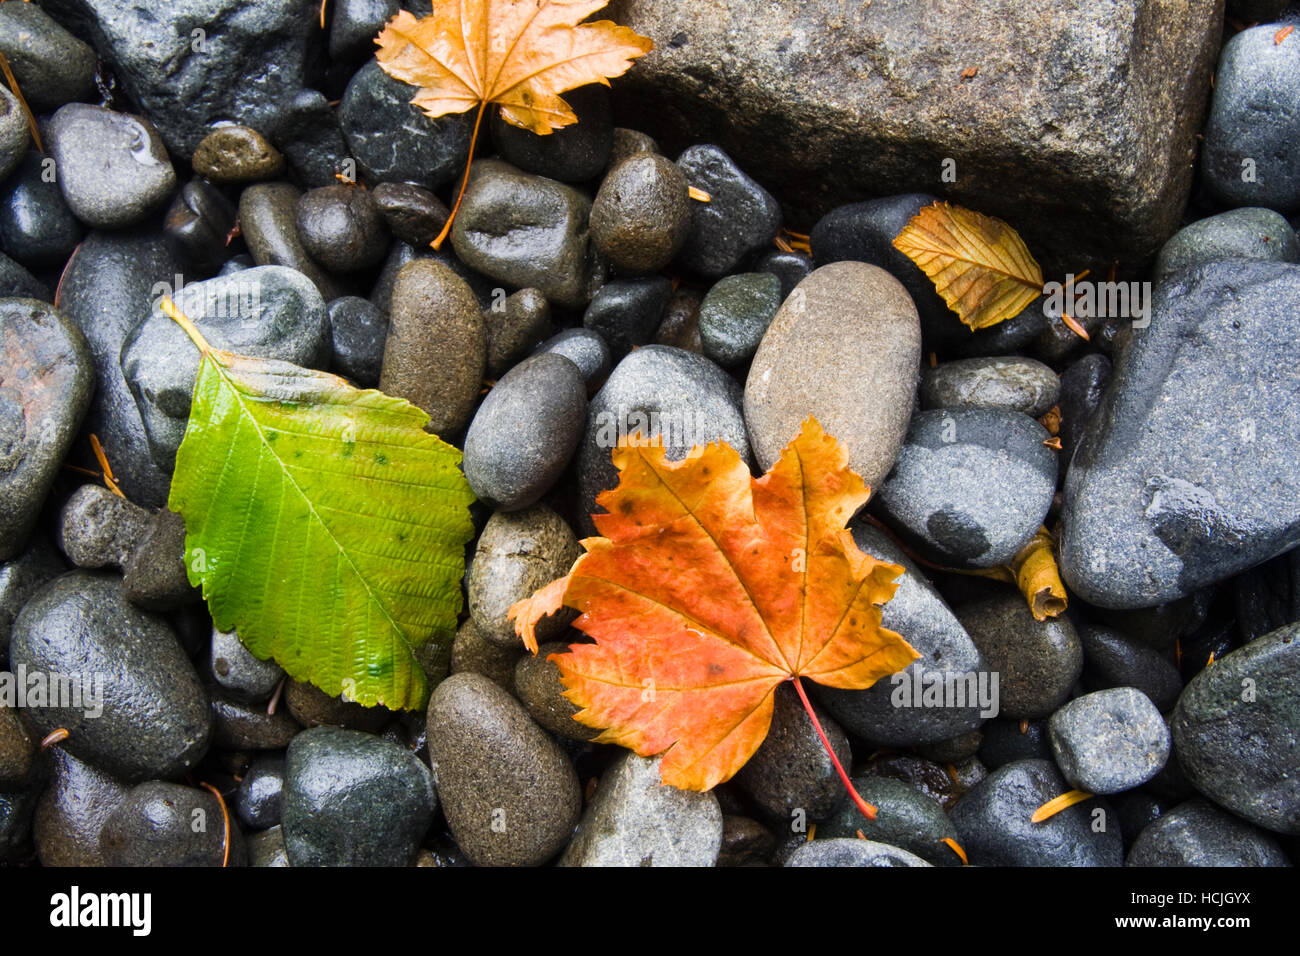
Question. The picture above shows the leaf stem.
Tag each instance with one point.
(867, 809)
(469, 161)
(180, 318)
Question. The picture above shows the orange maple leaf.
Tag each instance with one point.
(707, 590)
(519, 54)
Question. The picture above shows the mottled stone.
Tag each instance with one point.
(844, 347)
(237, 154)
(1109, 740)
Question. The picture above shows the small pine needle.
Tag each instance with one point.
(275, 698)
(1282, 35)
(779, 241)
(1053, 443)
(956, 848)
(1052, 807)
(225, 823)
(699, 195)
(110, 479)
(1211, 660)
(54, 737)
(861, 835)
(1024, 725)
(322, 13)
(812, 832)
(1073, 324)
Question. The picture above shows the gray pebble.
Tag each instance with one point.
(1109, 740)
(1038, 661)
(1010, 383)
(735, 314)
(99, 529)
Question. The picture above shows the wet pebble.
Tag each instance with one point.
(642, 214)
(341, 227)
(735, 314)
(358, 334)
(1109, 740)
(237, 154)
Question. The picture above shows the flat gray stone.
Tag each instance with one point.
(1109, 741)
(636, 820)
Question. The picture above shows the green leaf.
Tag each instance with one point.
(322, 523)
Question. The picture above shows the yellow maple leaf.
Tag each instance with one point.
(518, 54)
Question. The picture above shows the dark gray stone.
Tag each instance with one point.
(154, 577)
(112, 280)
(1008, 383)
(17, 751)
(626, 312)
(845, 347)
(1038, 661)
(17, 283)
(735, 314)
(413, 214)
(394, 141)
(996, 829)
(1198, 833)
(1250, 157)
(259, 801)
(266, 848)
(341, 227)
(268, 220)
(740, 218)
(537, 684)
(267, 312)
(636, 820)
(971, 486)
(72, 811)
(791, 770)
(510, 796)
(166, 824)
(1250, 233)
(1007, 740)
(570, 154)
(525, 230)
(525, 432)
(112, 167)
(352, 799)
(20, 578)
(790, 267)
(312, 142)
(1237, 731)
(241, 727)
(46, 380)
(585, 349)
(828, 104)
(125, 663)
(518, 553)
(355, 24)
(221, 74)
(642, 213)
(198, 226)
(947, 656)
(1082, 387)
(98, 529)
(436, 350)
(1111, 659)
(1267, 596)
(681, 325)
(358, 334)
(15, 135)
(515, 324)
(1109, 741)
(239, 673)
(906, 818)
(1162, 498)
(51, 65)
(681, 397)
(854, 852)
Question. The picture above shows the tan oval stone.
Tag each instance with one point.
(845, 347)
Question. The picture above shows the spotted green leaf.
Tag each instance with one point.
(322, 522)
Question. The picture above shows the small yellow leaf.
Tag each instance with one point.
(1038, 577)
(979, 264)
